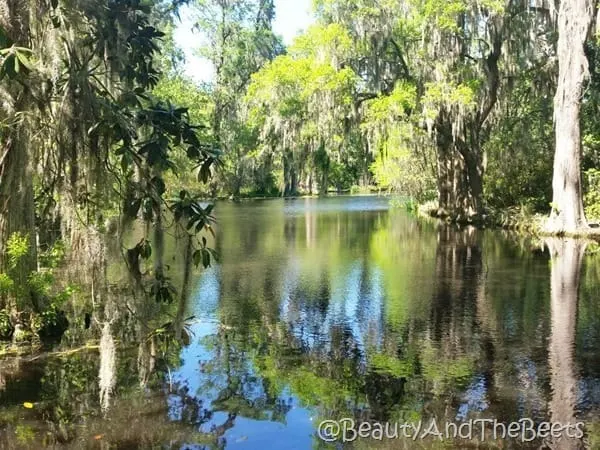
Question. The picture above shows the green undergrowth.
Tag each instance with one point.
(31, 301)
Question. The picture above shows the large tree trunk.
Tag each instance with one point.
(574, 23)
(290, 174)
(460, 174)
(324, 182)
(471, 195)
(185, 286)
(17, 211)
(365, 176)
(445, 163)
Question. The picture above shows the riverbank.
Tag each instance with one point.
(518, 219)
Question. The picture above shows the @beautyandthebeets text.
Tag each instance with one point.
(524, 430)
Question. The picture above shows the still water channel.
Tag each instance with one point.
(324, 309)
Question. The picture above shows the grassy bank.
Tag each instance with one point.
(520, 219)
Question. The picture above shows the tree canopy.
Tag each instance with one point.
(445, 101)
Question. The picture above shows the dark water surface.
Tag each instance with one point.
(338, 308)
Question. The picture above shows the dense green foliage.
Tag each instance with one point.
(109, 155)
(87, 147)
(446, 100)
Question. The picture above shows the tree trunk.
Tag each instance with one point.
(460, 175)
(365, 178)
(445, 166)
(16, 195)
(290, 174)
(324, 182)
(185, 287)
(574, 23)
(17, 210)
(159, 245)
(470, 196)
(238, 175)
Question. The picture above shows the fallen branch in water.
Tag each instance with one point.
(19, 352)
(63, 353)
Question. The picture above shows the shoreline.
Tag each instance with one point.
(516, 220)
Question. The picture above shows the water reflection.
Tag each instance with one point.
(359, 313)
(567, 257)
(107, 372)
(328, 309)
(105, 385)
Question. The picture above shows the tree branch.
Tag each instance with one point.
(365, 96)
(401, 58)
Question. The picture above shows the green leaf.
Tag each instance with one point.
(197, 256)
(193, 152)
(24, 60)
(205, 258)
(204, 173)
(159, 185)
(146, 249)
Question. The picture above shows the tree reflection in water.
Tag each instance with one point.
(414, 322)
(323, 312)
(567, 257)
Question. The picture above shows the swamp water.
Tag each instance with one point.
(322, 310)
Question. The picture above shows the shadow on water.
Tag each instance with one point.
(329, 309)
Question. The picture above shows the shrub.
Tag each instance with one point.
(592, 196)
(17, 247)
(6, 284)
(6, 328)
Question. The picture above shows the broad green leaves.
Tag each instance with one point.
(450, 16)
(15, 61)
(461, 96)
(193, 217)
